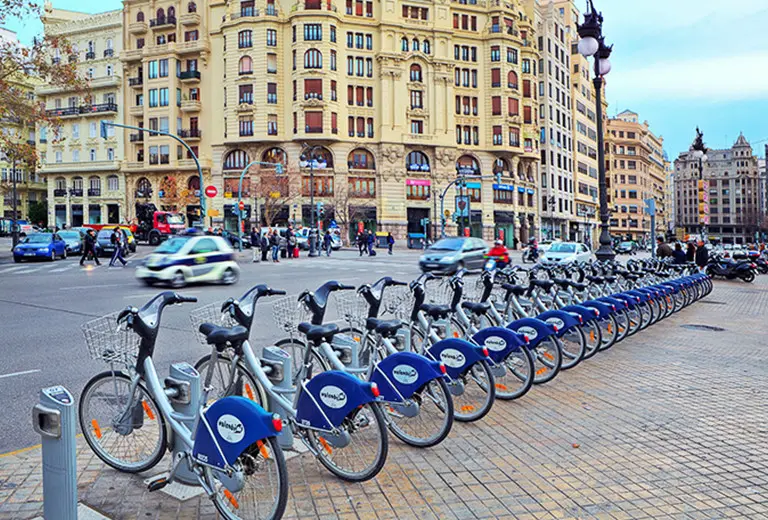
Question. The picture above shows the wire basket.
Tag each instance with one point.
(473, 288)
(108, 342)
(288, 312)
(352, 308)
(210, 313)
(439, 293)
(395, 297)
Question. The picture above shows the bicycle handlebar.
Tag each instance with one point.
(184, 299)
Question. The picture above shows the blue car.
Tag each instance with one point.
(47, 246)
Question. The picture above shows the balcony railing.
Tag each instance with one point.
(103, 107)
(62, 112)
(94, 192)
(76, 192)
(60, 193)
(108, 53)
(161, 22)
(313, 95)
(313, 129)
(90, 55)
(189, 74)
(136, 82)
(192, 133)
(137, 138)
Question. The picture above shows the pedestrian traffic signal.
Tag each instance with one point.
(103, 129)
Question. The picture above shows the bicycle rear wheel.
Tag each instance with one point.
(518, 375)
(265, 491)
(126, 432)
(478, 394)
(574, 346)
(434, 420)
(225, 383)
(609, 331)
(548, 359)
(593, 336)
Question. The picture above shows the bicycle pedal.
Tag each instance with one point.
(158, 484)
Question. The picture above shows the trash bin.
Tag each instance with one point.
(416, 240)
(381, 239)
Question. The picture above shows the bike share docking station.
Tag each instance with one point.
(54, 419)
(280, 372)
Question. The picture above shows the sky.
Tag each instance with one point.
(677, 63)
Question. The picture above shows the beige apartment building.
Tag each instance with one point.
(635, 162)
(85, 183)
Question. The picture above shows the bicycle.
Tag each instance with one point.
(127, 418)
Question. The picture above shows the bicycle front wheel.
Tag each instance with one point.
(265, 490)
(364, 455)
(478, 394)
(126, 431)
(434, 420)
(227, 380)
(594, 336)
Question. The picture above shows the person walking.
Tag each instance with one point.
(264, 245)
(117, 241)
(702, 256)
(327, 243)
(690, 252)
(274, 242)
(360, 243)
(390, 242)
(255, 244)
(679, 254)
(89, 248)
(663, 250)
(370, 238)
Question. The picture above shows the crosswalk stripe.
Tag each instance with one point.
(28, 270)
(15, 268)
(60, 269)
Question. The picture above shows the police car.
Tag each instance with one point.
(188, 259)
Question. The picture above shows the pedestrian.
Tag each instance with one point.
(370, 238)
(264, 245)
(390, 242)
(117, 240)
(255, 244)
(690, 252)
(663, 250)
(274, 242)
(292, 242)
(89, 248)
(327, 243)
(702, 256)
(679, 254)
(360, 243)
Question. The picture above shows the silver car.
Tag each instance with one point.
(567, 252)
(451, 254)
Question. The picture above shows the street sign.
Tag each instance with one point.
(211, 191)
(213, 213)
(447, 213)
(241, 205)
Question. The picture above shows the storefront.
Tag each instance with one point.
(361, 216)
(504, 228)
(77, 215)
(230, 217)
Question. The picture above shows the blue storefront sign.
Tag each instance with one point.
(530, 191)
(521, 189)
(504, 187)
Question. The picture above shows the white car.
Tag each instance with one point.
(567, 252)
(185, 259)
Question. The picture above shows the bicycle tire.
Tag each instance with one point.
(325, 451)
(436, 386)
(248, 460)
(574, 349)
(247, 387)
(518, 363)
(94, 431)
(609, 330)
(295, 348)
(594, 337)
(546, 367)
(475, 413)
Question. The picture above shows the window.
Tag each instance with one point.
(362, 187)
(236, 160)
(369, 42)
(75, 131)
(313, 89)
(313, 32)
(497, 136)
(163, 68)
(246, 94)
(93, 130)
(75, 155)
(414, 192)
(246, 65)
(92, 154)
(272, 93)
(427, 47)
(496, 105)
(271, 63)
(110, 70)
(246, 126)
(512, 80)
(333, 60)
(152, 69)
(416, 73)
(417, 126)
(272, 124)
(415, 46)
(495, 78)
(514, 138)
(313, 59)
(313, 121)
(416, 99)
(333, 34)
(245, 39)
(163, 97)
(415, 13)
(513, 106)
(495, 53)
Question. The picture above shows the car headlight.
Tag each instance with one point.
(42, 249)
(447, 260)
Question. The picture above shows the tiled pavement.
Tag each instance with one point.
(669, 424)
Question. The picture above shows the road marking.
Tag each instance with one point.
(28, 270)
(97, 286)
(14, 374)
(60, 269)
(15, 268)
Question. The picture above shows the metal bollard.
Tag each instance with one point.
(276, 356)
(54, 419)
(186, 380)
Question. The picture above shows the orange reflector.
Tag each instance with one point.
(262, 449)
(467, 408)
(148, 410)
(548, 356)
(621, 329)
(610, 328)
(357, 339)
(591, 335)
(455, 333)
(249, 392)
(325, 445)
(96, 429)
(501, 387)
(542, 370)
(231, 498)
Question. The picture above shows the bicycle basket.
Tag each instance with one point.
(108, 342)
(210, 313)
(439, 293)
(394, 298)
(473, 288)
(352, 309)
(288, 312)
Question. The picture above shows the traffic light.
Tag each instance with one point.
(498, 178)
(103, 129)
(650, 206)
(320, 211)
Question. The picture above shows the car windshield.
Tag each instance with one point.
(625, 244)
(105, 233)
(172, 246)
(38, 238)
(69, 234)
(175, 219)
(563, 248)
(447, 244)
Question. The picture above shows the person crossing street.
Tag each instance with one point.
(117, 241)
(89, 248)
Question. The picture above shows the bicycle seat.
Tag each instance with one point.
(318, 333)
(476, 308)
(579, 286)
(386, 328)
(435, 311)
(610, 279)
(544, 284)
(517, 290)
(223, 336)
(562, 282)
(595, 279)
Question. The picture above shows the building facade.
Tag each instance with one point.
(85, 183)
(734, 194)
(635, 164)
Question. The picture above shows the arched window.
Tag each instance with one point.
(530, 173)
(361, 159)
(313, 59)
(275, 155)
(427, 47)
(171, 12)
(415, 46)
(520, 172)
(143, 188)
(140, 16)
(322, 156)
(245, 39)
(193, 184)
(160, 14)
(416, 72)
(246, 65)
(236, 160)
(467, 165)
(61, 183)
(191, 7)
(113, 183)
(500, 165)
(404, 44)
(110, 43)
(512, 79)
(94, 183)
(417, 162)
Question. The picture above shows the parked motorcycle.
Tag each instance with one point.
(731, 269)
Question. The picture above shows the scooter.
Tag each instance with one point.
(730, 269)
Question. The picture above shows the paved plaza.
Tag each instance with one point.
(671, 423)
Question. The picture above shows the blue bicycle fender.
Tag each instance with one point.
(500, 342)
(231, 425)
(456, 354)
(586, 313)
(563, 321)
(329, 397)
(605, 309)
(644, 297)
(534, 329)
(403, 373)
(631, 301)
(609, 300)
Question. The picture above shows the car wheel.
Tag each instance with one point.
(17, 259)
(53, 256)
(154, 239)
(148, 282)
(229, 277)
(64, 256)
(178, 281)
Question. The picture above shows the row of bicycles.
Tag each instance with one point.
(357, 364)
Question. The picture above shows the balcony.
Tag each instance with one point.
(313, 129)
(192, 134)
(189, 19)
(80, 166)
(192, 46)
(59, 193)
(98, 109)
(75, 192)
(189, 76)
(90, 55)
(245, 12)
(137, 110)
(158, 23)
(108, 53)
(137, 138)
(137, 27)
(63, 112)
(136, 82)
(190, 105)
(94, 192)
(133, 55)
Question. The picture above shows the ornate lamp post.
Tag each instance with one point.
(592, 44)
(309, 157)
(700, 153)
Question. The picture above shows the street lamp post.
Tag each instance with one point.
(15, 223)
(278, 170)
(592, 44)
(700, 153)
(308, 155)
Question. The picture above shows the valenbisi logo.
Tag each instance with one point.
(333, 397)
(452, 358)
(528, 331)
(557, 322)
(230, 428)
(405, 374)
(495, 343)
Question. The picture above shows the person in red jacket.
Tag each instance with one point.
(499, 253)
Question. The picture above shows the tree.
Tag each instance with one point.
(343, 211)
(38, 212)
(273, 191)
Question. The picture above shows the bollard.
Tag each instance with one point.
(281, 376)
(54, 419)
(186, 381)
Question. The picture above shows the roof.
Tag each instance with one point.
(741, 141)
